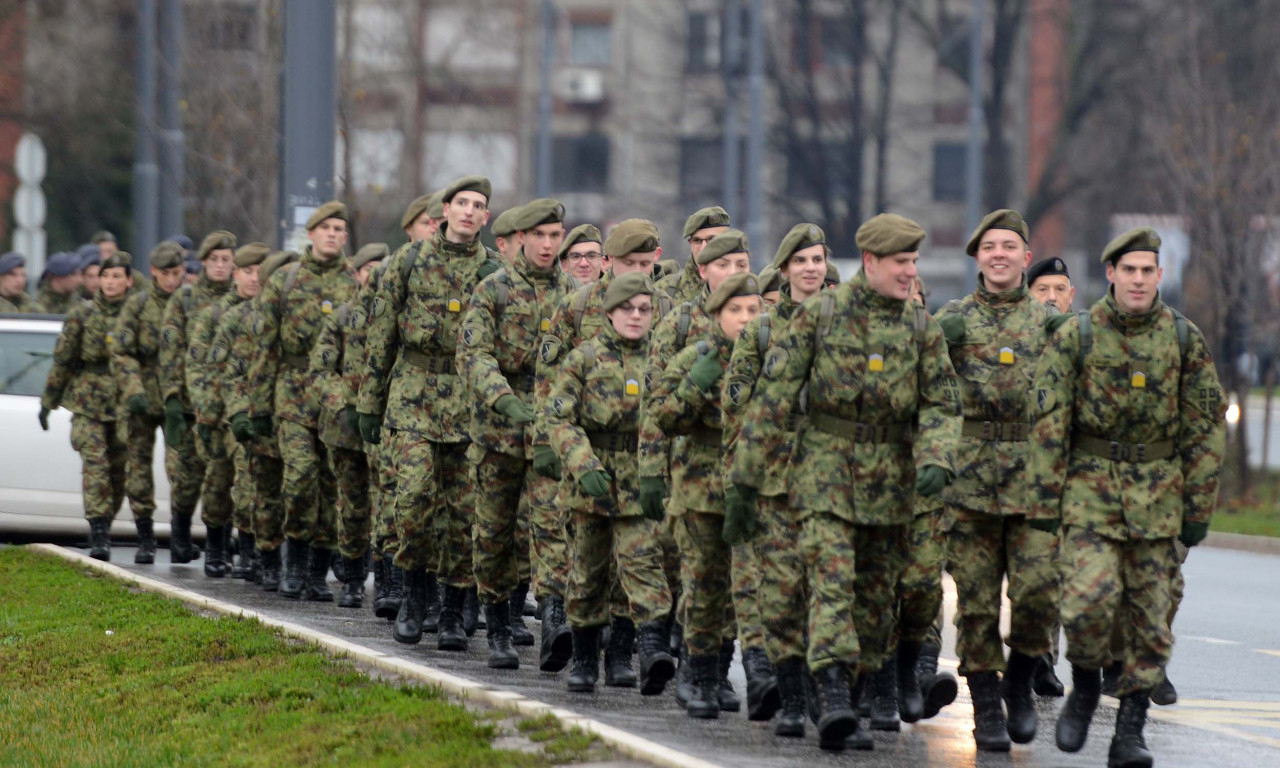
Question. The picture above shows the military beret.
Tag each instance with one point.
(368, 253)
(89, 255)
(274, 261)
(219, 239)
(665, 267)
(167, 254)
(583, 233)
(181, 240)
(1054, 266)
(740, 284)
(544, 210)
(631, 236)
(887, 233)
(501, 226)
(432, 204)
(1137, 239)
(770, 279)
(1004, 218)
(833, 275)
(251, 253)
(467, 184)
(723, 244)
(715, 216)
(625, 286)
(118, 259)
(62, 264)
(11, 261)
(800, 236)
(192, 265)
(333, 209)
(102, 236)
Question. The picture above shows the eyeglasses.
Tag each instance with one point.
(701, 240)
(627, 308)
(588, 256)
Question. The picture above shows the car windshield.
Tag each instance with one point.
(25, 358)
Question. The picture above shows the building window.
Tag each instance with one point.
(702, 42)
(702, 171)
(825, 42)
(830, 163)
(229, 27)
(948, 172)
(450, 154)
(589, 43)
(580, 163)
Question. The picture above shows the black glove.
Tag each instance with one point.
(352, 417)
(138, 405)
(371, 427)
(652, 492)
(739, 514)
(1193, 533)
(242, 427)
(263, 426)
(44, 418)
(175, 422)
(1049, 525)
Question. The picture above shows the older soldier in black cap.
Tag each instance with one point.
(1049, 283)
(13, 285)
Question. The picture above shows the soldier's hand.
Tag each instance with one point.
(44, 418)
(652, 491)
(952, 328)
(739, 514)
(242, 427)
(1193, 533)
(138, 405)
(514, 408)
(205, 433)
(1049, 525)
(352, 417)
(706, 371)
(930, 480)
(175, 423)
(371, 427)
(488, 268)
(546, 463)
(1054, 322)
(595, 483)
(263, 426)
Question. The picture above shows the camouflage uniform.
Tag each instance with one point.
(224, 369)
(203, 375)
(56, 303)
(22, 303)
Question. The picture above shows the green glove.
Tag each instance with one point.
(1048, 525)
(371, 427)
(488, 268)
(242, 427)
(352, 418)
(706, 371)
(931, 480)
(514, 408)
(1054, 322)
(205, 433)
(739, 514)
(547, 464)
(952, 328)
(596, 483)
(44, 418)
(263, 426)
(175, 423)
(652, 491)
(1193, 533)
(138, 404)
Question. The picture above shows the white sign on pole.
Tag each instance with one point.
(29, 208)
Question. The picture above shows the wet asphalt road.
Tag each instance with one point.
(1227, 669)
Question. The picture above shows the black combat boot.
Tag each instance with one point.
(557, 639)
(790, 673)
(388, 607)
(938, 688)
(270, 569)
(1165, 694)
(413, 605)
(1128, 747)
(1077, 713)
(618, 672)
(860, 739)
(586, 659)
(1046, 682)
(684, 678)
(910, 697)
(245, 564)
(295, 568)
(353, 588)
(146, 554)
(763, 698)
(990, 732)
(338, 565)
(677, 633)
(502, 655)
(883, 690)
(317, 589)
(100, 539)
(729, 701)
(379, 581)
(656, 665)
(471, 611)
(431, 619)
(704, 701)
(1111, 677)
(450, 637)
(837, 720)
(520, 634)
(1018, 699)
(215, 556)
(256, 575)
(181, 550)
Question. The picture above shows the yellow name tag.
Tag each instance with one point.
(455, 305)
(326, 307)
(1006, 356)
(875, 362)
(1139, 380)
(632, 388)
(546, 325)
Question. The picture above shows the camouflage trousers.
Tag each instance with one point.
(501, 483)
(629, 543)
(1177, 586)
(671, 556)
(706, 571)
(550, 554)
(102, 458)
(783, 597)
(853, 576)
(1125, 584)
(351, 476)
(139, 481)
(920, 586)
(185, 466)
(268, 474)
(216, 507)
(244, 495)
(382, 477)
(308, 491)
(983, 550)
(433, 505)
(745, 596)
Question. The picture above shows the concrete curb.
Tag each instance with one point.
(1265, 545)
(460, 687)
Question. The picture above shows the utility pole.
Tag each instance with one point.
(755, 133)
(146, 176)
(973, 157)
(172, 139)
(542, 184)
(732, 68)
(308, 114)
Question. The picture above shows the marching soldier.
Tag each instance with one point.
(13, 285)
(60, 283)
(699, 229)
(504, 235)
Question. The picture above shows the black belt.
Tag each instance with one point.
(95, 367)
(1000, 431)
(859, 432)
(707, 436)
(430, 363)
(1133, 453)
(614, 441)
(520, 382)
(297, 362)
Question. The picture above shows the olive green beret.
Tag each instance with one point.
(770, 279)
(583, 233)
(723, 244)
(368, 253)
(167, 254)
(544, 210)
(216, 240)
(800, 236)
(118, 259)
(274, 261)
(466, 184)
(631, 236)
(739, 284)
(1004, 218)
(330, 210)
(624, 287)
(1138, 239)
(888, 233)
(501, 226)
(715, 216)
(252, 253)
(665, 267)
(432, 204)
(833, 274)
(102, 236)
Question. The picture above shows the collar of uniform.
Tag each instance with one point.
(111, 306)
(614, 341)
(786, 306)
(206, 285)
(233, 298)
(532, 273)
(320, 266)
(153, 288)
(1127, 320)
(1003, 299)
(443, 245)
(870, 296)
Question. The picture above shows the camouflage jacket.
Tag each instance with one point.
(21, 304)
(592, 409)
(864, 366)
(329, 368)
(226, 370)
(412, 338)
(685, 285)
(136, 353)
(1134, 387)
(499, 344)
(286, 325)
(203, 369)
(994, 363)
(580, 315)
(57, 303)
(243, 347)
(81, 377)
(182, 308)
(664, 343)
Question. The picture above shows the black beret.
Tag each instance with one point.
(1054, 266)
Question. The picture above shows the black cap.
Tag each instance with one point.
(1054, 266)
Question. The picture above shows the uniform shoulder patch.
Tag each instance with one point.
(736, 391)
(776, 363)
(470, 335)
(550, 351)
(559, 406)
(1045, 400)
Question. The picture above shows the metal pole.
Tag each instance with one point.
(732, 67)
(309, 113)
(172, 140)
(146, 176)
(542, 185)
(755, 133)
(973, 158)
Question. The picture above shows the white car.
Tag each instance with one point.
(40, 489)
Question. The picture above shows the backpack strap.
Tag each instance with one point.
(504, 295)
(290, 278)
(579, 308)
(1183, 330)
(921, 324)
(826, 311)
(589, 357)
(186, 299)
(762, 338)
(344, 311)
(1086, 335)
(682, 325)
(406, 268)
(664, 303)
